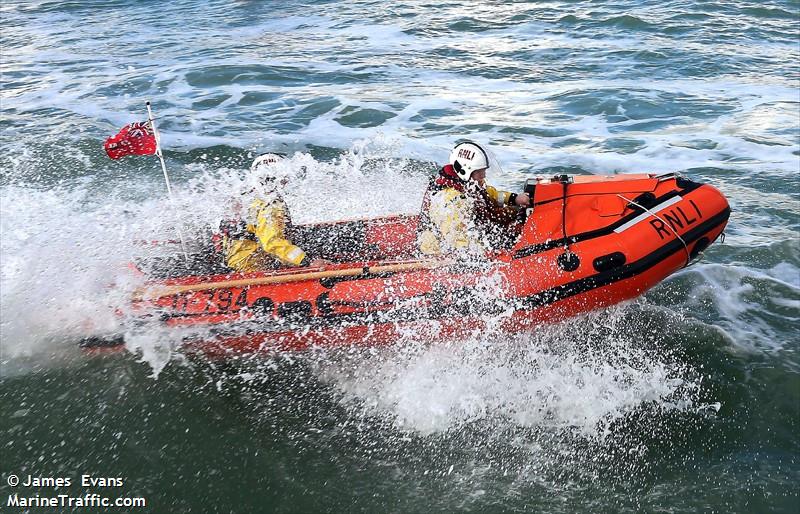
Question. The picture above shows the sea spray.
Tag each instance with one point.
(583, 374)
(64, 268)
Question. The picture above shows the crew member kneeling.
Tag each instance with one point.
(259, 241)
(463, 214)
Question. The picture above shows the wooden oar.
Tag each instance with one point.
(152, 293)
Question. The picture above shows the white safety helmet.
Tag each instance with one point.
(264, 161)
(264, 168)
(467, 157)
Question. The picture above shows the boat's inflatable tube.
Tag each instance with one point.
(587, 242)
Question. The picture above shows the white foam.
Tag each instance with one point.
(59, 263)
(739, 310)
(553, 379)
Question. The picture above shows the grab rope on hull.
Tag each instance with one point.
(685, 246)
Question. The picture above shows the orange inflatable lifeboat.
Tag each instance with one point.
(587, 242)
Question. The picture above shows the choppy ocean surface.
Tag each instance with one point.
(686, 400)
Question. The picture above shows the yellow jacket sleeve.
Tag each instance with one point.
(501, 198)
(269, 229)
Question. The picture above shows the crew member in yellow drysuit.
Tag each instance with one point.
(259, 241)
(462, 214)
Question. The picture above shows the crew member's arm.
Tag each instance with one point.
(504, 198)
(270, 233)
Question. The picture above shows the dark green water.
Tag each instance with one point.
(687, 400)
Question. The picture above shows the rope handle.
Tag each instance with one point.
(668, 225)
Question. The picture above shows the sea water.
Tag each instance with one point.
(684, 400)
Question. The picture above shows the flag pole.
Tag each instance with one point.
(166, 176)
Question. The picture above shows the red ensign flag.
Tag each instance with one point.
(133, 139)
